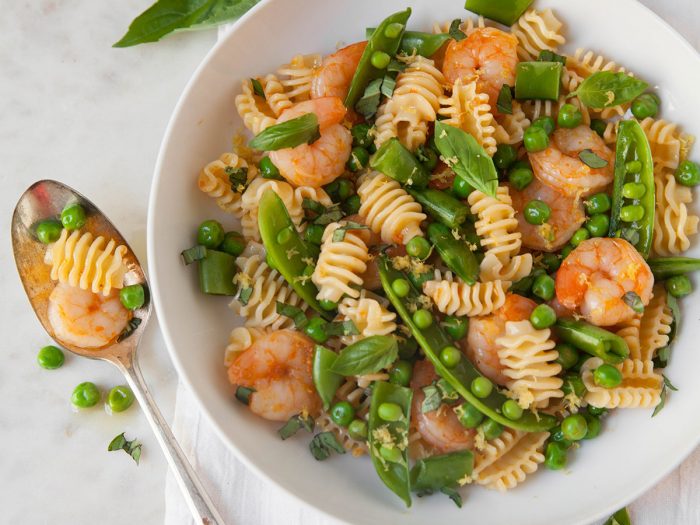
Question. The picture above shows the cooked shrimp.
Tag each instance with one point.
(85, 319)
(481, 347)
(323, 161)
(559, 165)
(333, 78)
(567, 215)
(596, 275)
(487, 55)
(278, 367)
(440, 428)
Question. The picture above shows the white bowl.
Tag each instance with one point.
(633, 452)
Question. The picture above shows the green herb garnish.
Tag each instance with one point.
(366, 356)
(504, 104)
(341, 328)
(295, 313)
(243, 394)
(550, 56)
(288, 134)
(133, 447)
(323, 444)
(605, 89)
(257, 88)
(455, 32)
(130, 328)
(339, 233)
(238, 177)
(196, 253)
(244, 295)
(591, 159)
(633, 300)
(295, 423)
(664, 392)
(432, 399)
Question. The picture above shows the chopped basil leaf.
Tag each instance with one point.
(130, 328)
(621, 517)
(388, 85)
(395, 66)
(504, 104)
(238, 177)
(447, 391)
(331, 214)
(295, 423)
(244, 295)
(664, 393)
(455, 32)
(634, 301)
(257, 88)
(342, 328)
(294, 313)
(339, 233)
(630, 235)
(288, 134)
(668, 384)
(432, 399)
(605, 89)
(369, 102)
(196, 253)
(312, 205)
(133, 447)
(323, 444)
(550, 56)
(591, 159)
(366, 356)
(243, 394)
(453, 494)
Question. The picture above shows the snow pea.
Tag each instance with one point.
(386, 39)
(455, 253)
(633, 147)
(325, 381)
(286, 251)
(441, 206)
(665, 267)
(433, 339)
(592, 339)
(395, 161)
(436, 472)
(538, 80)
(504, 11)
(424, 44)
(216, 273)
(392, 471)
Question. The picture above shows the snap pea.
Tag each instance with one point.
(216, 273)
(395, 161)
(455, 253)
(423, 44)
(665, 267)
(538, 80)
(380, 41)
(325, 381)
(436, 472)
(592, 339)
(441, 206)
(286, 257)
(504, 11)
(433, 339)
(632, 145)
(394, 474)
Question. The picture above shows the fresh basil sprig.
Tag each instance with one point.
(288, 134)
(605, 89)
(366, 356)
(461, 152)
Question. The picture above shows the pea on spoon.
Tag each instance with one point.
(45, 199)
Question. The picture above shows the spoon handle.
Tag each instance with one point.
(197, 499)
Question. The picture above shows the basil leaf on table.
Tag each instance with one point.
(366, 356)
(288, 134)
(461, 152)
(605, 89)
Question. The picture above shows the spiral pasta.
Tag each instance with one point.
(510, 129)
(629, 331)
(297, 76)
(537, 31)
(277, 99)
(469, 110)
(414, 103)
(673, 223)
(640, 388)
(369, 316)
(452, 296)
(214, 181)
(82, 260)
(252, 110)
(655, 326)
(239, 340)
(389, 210)
(668, 145)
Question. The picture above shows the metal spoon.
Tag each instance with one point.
(43, 200)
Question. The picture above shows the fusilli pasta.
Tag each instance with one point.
(537, 31)
(251, 110)
(668, 144)
(296, 77)
(655, 326)
(239, 340)
(452, 296)
(276, 98)
(511, 128)
(369, 316)
(640, 388)
(673, 223)
(214, 181)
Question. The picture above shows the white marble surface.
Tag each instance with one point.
(76, 110)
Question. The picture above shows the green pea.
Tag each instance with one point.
(332, 190)
(328, 305)
(537, 212)
(120, 398)
(85, 395)
(461, 188)
(423, 318)
(401, 373)
(550, 261)
(569, 116)
(357, 429)
(418, 247)
(574, 427)
(520, 178)
(644, 106)
(380, 59)
(361, 136)
(268, 170)
(607, 376)
(543, 287)
(50, 357)
(599, 126)
(573, 384)
(234, 244)
(48, 231)
(316, 330)
(597, 411)
(678, 286)
(566, 250)
(73, 217)
(393, 30)
(359, 157)
(345, 189)
(535, 139)
(512, 410)
(598, 225)
(568, 355)
(555, 456)
(132, 297)
(633, 190)
(546, 123)
(469, 416)
(427, 157)
(505, 156)
(456, 327)
(631, 213)
(314, 233)
(210, 234)
(450, 356)
(543, 316)
(391, 454)
(284, 235)
(688, 173)
(351, 205)
(633, 166)
(390, 412)
(407, 348)
(401, 287)
(342, 413)
(593, 427)
(579, 236)
(491, 429)
(481, 387)
(598, 203)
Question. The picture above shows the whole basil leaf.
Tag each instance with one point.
(605, 89)
(461, 152)
(288, 134)
(366, 356)
(224, 11)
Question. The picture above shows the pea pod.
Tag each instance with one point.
(285, 249)
(423, 44)
(441, 206)
(325, 381)
(216, 273)
(592, 339)
(385, 40)
(455, 253)
(394, 474)
(506, 12)
(665, 267)
(538, 80)
(633, 149)
(395, 161)
(433, 339)
(436, 472)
